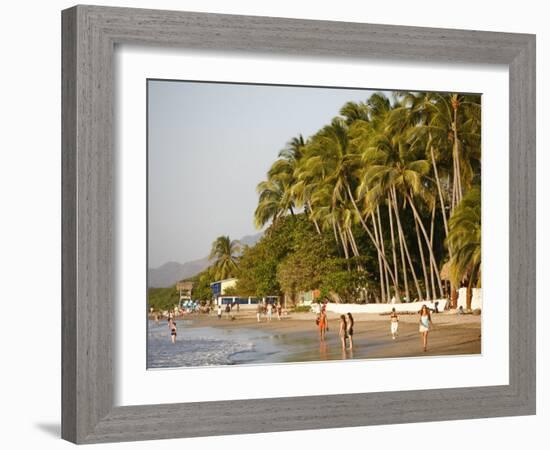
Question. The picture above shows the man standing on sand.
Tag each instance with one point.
(269, 311)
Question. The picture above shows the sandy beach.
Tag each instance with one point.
(295, 338)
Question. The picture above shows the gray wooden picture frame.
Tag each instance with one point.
(89, 37)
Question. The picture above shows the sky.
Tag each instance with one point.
(209, 145)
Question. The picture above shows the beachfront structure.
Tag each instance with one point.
(220, 287)
(219, 292)
(185, 289)
(245, 301)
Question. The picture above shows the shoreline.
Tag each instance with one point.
(296, 336)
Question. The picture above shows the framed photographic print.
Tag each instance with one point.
(268, 215)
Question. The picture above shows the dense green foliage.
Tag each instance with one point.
(201, 285)
(162, 299)
(465, 239)
(382, 182)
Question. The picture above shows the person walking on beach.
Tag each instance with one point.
(228, 311)
(350, 324)
(394, 321)
(343, 333)
(269, 311)
(279, 310)
(173, 329)
(219, 311)
(322, 323)
(259, 312)
(424, 327)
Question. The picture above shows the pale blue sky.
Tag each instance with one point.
(210, 144)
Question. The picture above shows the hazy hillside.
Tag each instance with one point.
(171, 272)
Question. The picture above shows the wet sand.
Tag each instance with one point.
(297, 335)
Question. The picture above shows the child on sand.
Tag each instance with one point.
(394, 323)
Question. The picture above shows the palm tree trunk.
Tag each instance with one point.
(402, 252)
(344, 244)
(366, 228)
(336, 235)
(432, 257)
(439, 191)
(354, 248)
(432, 270)
(424, 271)
(380, 265)
(308, 203)
(455, 153)
(469, 297)
(396, 273)
(386, 269)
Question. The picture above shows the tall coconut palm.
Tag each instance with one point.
(393, 166)
(224, 256)
(449, 127)
(273, 202)
(276, 194)
(375, 143)
(465, 241)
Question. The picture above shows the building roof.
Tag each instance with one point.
(223, 281)
(184, 285)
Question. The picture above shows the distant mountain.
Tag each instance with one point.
(171, 272)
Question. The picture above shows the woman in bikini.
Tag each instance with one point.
(424, 326)
(173, 330)
(343, 333)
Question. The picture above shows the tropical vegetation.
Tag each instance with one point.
(393, 179)
(383, 203)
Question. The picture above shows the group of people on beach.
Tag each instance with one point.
(345, 331)
(346, 324)
(267, 311)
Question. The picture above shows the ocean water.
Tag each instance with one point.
(207, 346)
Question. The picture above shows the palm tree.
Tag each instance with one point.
(224, 256)
(449, 127)
(388, 166)
(418, 152)
(465, 241)
(276, 195)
